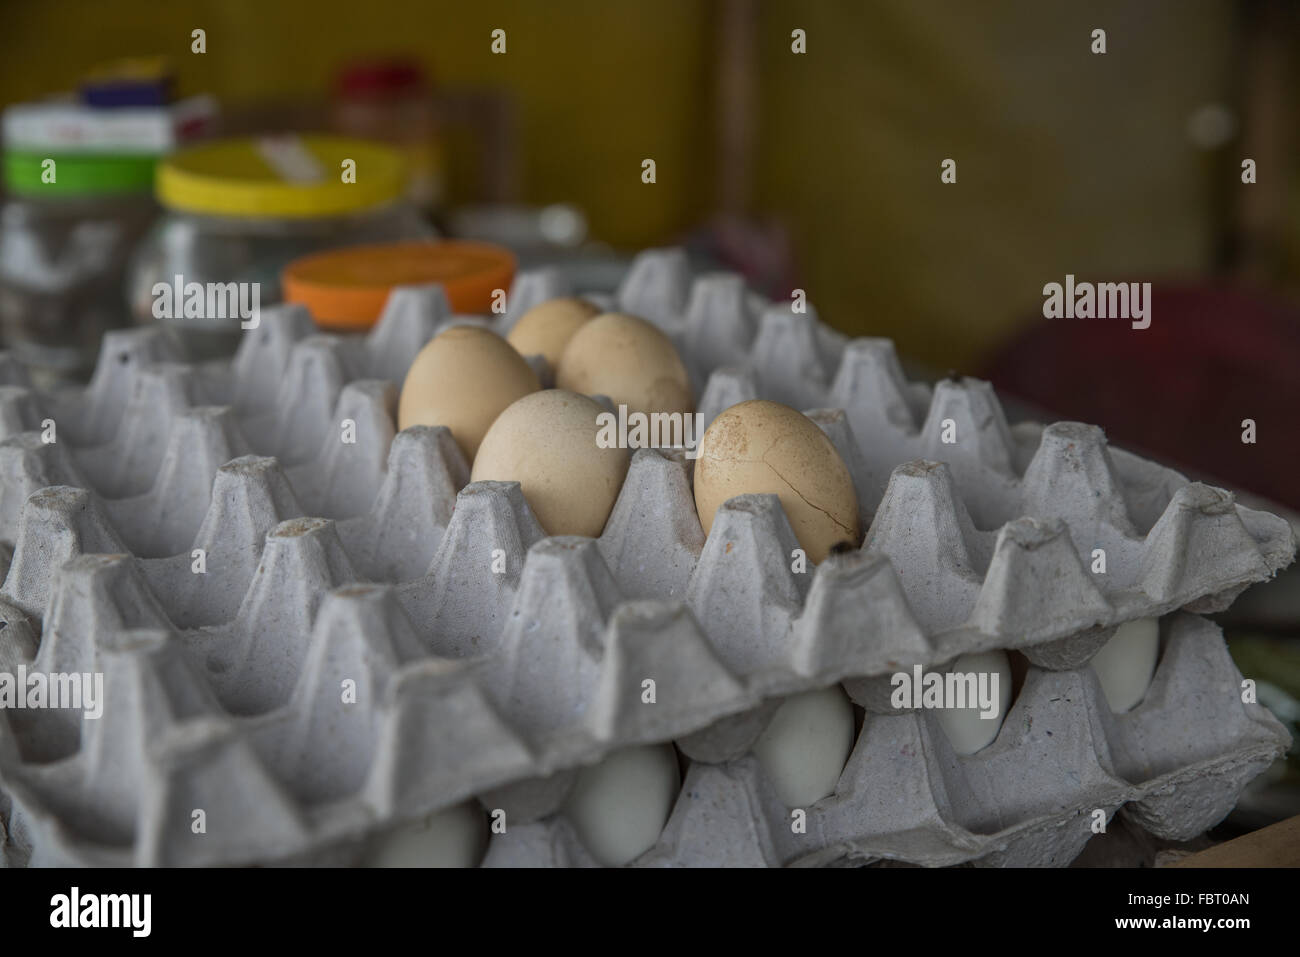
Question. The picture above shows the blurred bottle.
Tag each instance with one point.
(78, 178)
(391, 100)
(136, 81)
(63, 249)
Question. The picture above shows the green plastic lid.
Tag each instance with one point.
(78, 174)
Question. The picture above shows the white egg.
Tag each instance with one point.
(454, 837)
(1126, 663)
(967, 728)
(620, 806)
(803, 749)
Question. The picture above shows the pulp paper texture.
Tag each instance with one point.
(206, 538)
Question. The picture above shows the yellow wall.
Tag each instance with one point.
(600, 85)
(1067, 162)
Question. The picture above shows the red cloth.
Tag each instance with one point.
(1213, 356)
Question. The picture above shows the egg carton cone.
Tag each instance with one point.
(229, 543)
(1062, 765)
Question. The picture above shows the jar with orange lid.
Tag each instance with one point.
(346, 289)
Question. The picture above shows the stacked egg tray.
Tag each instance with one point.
(232, 543)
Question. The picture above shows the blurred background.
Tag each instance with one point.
(821, 170)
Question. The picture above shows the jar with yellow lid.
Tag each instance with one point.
(237, 211)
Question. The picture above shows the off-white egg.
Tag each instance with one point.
(619, 807)
(968, 729)
(455, 837)
(803, 749)
(546, 329)
(760, 447)
(1127, 662)
(630, 361)
(463, 379)
(547, 442)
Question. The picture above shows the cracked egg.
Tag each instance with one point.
(759, 447)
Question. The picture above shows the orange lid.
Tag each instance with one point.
(347, 288)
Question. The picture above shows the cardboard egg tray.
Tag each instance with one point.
(1174, 765)
(488, 660)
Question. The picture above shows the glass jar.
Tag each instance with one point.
(65, 241)
(239, 211)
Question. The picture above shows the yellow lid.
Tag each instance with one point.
(298, 177)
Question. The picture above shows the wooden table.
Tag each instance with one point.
(1277, 845)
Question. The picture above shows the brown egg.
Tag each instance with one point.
(463, 379)
(629, 360)
(546, 329)
(760, 447)
(546, 442)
